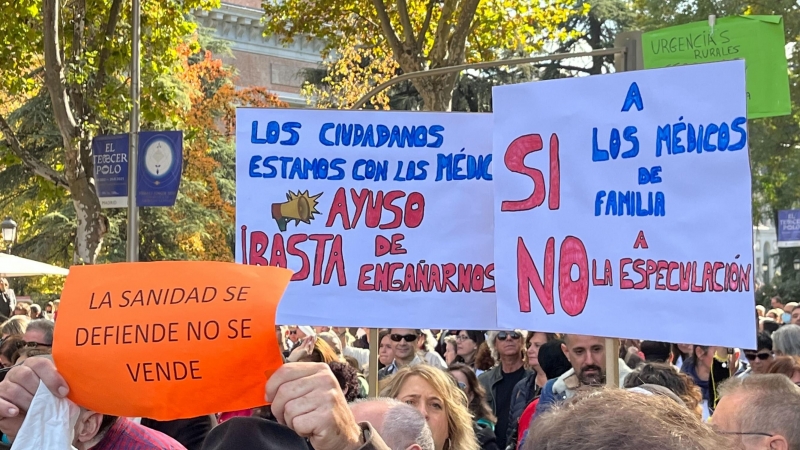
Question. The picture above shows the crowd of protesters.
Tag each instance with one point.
(462, 390)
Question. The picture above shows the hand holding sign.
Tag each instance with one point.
(157, 332)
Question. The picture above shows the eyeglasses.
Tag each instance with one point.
(462, 338)
(36, 344)
(291, 332)
(405, 337)
(504, 335)
(462, 386)
(761, 356)
(741, 433)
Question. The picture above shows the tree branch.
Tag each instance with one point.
(54, 74)
(440, 41)
(31, 162)
(105, 51)
(458, 41)
(426, 25)
(408, 31)
(388, 31)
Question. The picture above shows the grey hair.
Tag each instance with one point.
(430, 341)
(45, 326)
(403, 425)
(492, 338)
(787, 340)
(773, 404)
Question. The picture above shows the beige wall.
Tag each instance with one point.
(249, 3)
(274, 73)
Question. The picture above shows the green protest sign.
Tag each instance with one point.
(759, 40)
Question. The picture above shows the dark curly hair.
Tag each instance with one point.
(347, 377)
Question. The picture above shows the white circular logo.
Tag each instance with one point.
(158, 158)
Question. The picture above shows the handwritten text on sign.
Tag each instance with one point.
(647, 183)
(378, 212)
(157, 330)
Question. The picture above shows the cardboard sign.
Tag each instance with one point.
(759, 40)
(623, 206)
(384, 216)
(168, 340)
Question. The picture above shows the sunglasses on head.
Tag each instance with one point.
(406, 337)
(761, 356)
(503, 335)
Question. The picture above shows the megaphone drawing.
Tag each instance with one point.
(300, 207)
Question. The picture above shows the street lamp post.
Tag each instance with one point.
(9, 229)
(765, 271)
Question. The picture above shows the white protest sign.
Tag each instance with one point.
(623, 206)
(385, 217)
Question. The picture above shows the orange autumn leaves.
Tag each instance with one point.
(209, 124)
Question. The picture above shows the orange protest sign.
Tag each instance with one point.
(168, 340)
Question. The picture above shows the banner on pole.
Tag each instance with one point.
(626, 194)
(789, 228)
(110, 158)
(160, 167)
(385, 217)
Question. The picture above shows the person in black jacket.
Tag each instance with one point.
(552, 364)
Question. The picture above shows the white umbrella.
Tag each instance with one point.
(14, 266)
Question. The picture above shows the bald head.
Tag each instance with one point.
(401, 426)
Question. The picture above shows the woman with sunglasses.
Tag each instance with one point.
(761, 358)
(508, 350)
(482, 417)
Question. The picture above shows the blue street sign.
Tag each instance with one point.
(789, 228)
(160, 167)
(110, 157)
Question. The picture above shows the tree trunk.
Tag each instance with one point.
(90, 221)
(91, 225)
(436, 92)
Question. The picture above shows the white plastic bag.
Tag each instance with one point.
(49, 424)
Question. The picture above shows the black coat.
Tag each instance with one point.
(522, 395)
(486, 438)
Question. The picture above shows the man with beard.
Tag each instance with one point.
(587, 355)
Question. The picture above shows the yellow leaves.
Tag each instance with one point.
(357, 70)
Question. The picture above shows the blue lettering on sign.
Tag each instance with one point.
(376, 136)
(296, 168)
(708, 138)
(629, 203)
(634, 97)
(273, 132)
(460, 166)
(615, 144)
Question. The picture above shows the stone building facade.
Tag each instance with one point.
(261, 61)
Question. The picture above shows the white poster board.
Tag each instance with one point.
(613, 218)
(385, 217)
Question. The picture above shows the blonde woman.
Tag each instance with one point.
(436, 395)
(14, 326)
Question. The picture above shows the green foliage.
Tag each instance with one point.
(774, 141)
